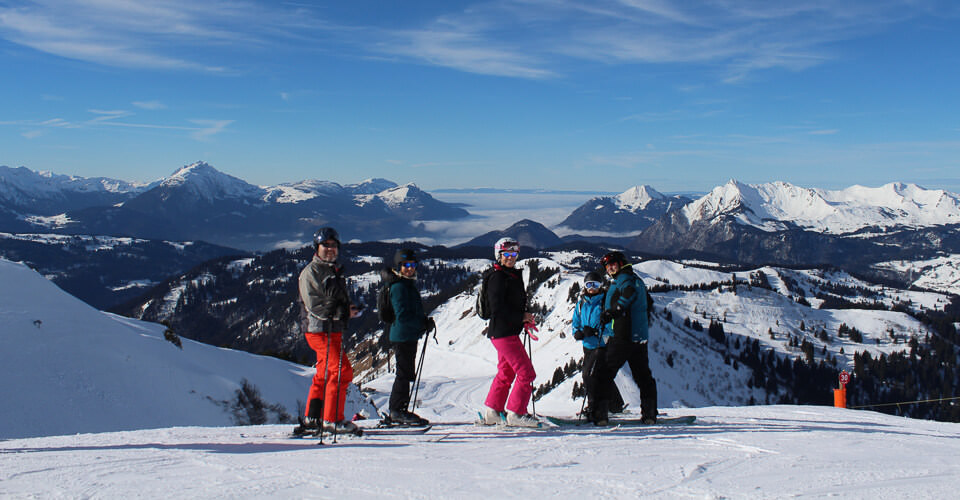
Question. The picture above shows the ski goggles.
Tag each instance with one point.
(409, 265)
(510, 254)
(592, 285)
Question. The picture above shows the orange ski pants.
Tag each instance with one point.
(326, 385)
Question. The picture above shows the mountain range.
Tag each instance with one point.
(789, 225)
(198, 202)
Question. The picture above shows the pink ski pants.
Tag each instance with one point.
(512, 363)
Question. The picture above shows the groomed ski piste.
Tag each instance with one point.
(98, 406)
(732, 452)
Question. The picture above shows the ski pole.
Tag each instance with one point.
(326, 360)
(416, 385)
(582, 406)
(339, 371)
(533, 401)
(584, 403)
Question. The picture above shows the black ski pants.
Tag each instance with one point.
(638, 356)
(405, 354)
(592, 376)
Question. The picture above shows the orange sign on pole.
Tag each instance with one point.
(840, 395)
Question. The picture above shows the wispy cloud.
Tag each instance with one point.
(201, 130)
(209, 128)
(132, 34)
(107, 115)
(530, 39)
(542, 38)
(149, 105)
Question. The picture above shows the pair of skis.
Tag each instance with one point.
(371, 431)
(613, 422)
(623, 422)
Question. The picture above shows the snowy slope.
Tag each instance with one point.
(112, 374)
(941, 273)
(68, 368)
(769, 206)
(743, 452)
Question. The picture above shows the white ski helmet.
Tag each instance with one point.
(505, 245)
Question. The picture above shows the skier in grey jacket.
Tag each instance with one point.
(323, 290)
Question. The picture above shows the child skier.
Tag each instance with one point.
(589, 329)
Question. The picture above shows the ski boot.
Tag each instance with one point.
(517, 420)
(342, 427)
(405, 418)
(489, 416)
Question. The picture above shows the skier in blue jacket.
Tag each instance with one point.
(588, 328)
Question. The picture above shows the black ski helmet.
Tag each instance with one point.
(404, 255)
(614, 257)
(324, 234)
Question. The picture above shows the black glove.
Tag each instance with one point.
(578, 335)
(589, 331)
(429, 324)
(606, 316)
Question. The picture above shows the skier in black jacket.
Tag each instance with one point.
(507, 299)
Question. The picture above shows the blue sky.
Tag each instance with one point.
(597, 95)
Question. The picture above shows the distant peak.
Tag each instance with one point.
(638, 197)
(372, 186)
(194, 168)
(210, 183)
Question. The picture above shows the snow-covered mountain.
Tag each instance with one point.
(408, 200)
(629, 212)
(371, 186)
(46, 193)
(69, 368)
(778, 205)
(198, 202)
(789, 225)
(205, 182)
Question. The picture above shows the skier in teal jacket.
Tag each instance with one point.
(625, 313)
(409, 324)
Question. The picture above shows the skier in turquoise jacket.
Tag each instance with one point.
(625, 313)
(409, 324)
